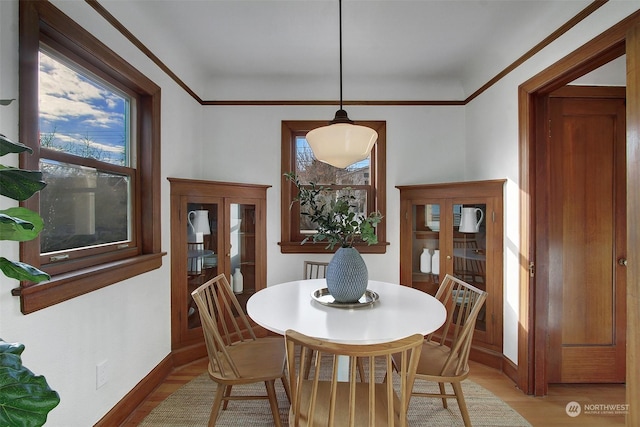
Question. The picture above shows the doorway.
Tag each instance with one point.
(615, 42)
(556, 354)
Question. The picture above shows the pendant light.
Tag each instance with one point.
(341, 143)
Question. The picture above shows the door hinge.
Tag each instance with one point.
(549, 128)
(532, 269)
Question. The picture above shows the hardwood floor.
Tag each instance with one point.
(539, 411)
(550, 410)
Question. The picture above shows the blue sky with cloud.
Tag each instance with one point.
(87, 116)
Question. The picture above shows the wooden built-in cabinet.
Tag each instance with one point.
(232, 220)
(431, 218)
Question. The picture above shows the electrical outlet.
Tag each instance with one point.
(101, 374)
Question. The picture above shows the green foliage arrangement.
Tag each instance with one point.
(334, 215)
(25, 399)
(19, 224)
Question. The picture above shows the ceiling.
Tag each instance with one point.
(238, 49)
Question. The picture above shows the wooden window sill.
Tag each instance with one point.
(63, 287)
(320, 248)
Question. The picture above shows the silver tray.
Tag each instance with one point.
(323, 296)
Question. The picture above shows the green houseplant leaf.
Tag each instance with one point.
(19, 224)
(21, 271)
(20, 184)
(7, 146)
(25, 398)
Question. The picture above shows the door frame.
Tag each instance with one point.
(622, 38)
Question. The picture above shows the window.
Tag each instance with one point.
(86, 159)
(365, 180)
(93, 123)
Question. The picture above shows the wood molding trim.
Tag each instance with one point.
(590, 92)
(537, 48)
(187, 354)
(144, 49)
(402, 103)
(595, 5)
(602, 49)
(487, 357)
(633, 229)
(510, 369)
(125, 407)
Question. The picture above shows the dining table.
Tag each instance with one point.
(387, 311)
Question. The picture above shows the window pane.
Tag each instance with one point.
(359, 206)
(81, 114)
(308, 169)
(83, 207)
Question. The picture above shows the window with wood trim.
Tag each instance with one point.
(93, 122)
(366, 180)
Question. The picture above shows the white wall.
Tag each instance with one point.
(129, 323)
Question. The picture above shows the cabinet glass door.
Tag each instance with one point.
(469, 248)
(463, 221)
(426, 247)
(202, 252)
(242, 253)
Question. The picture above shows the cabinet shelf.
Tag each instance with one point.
(421, 234)
(199, 253)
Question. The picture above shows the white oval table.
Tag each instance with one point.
(400, 311)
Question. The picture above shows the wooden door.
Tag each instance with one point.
(587, 240)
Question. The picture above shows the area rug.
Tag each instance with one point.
(190, 406)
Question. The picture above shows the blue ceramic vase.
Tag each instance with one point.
(347, 275)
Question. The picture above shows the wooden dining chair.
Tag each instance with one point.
(445, 353)
(315, 270)
(236, 355)
(323, 400)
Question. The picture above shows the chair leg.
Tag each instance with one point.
(273, 401)
(227, 393)
(215, 407)
(457, 389)
(360, 369)
(443, 392)
(287, 390)
(308, 360)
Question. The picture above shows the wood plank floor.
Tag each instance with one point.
(545, 411)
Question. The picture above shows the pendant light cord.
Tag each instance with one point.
(340, 18)
(341, 115)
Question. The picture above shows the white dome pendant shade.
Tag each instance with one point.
(341, 143)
